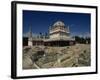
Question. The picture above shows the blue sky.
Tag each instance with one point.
(79, 23)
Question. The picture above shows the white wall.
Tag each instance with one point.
(54, 36)
(5, 41)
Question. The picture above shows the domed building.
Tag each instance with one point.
(59, 31)
(59, 35)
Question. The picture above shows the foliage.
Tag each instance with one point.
(82, 40)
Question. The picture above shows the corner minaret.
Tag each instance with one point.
(30, 37)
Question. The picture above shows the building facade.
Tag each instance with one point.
(59, 30)
(59, 35)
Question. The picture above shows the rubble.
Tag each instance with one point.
(53, 57)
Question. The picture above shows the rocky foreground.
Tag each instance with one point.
(53, 57)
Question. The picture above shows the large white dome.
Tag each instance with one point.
(59, 23)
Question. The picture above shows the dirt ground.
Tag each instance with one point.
(36, 57)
